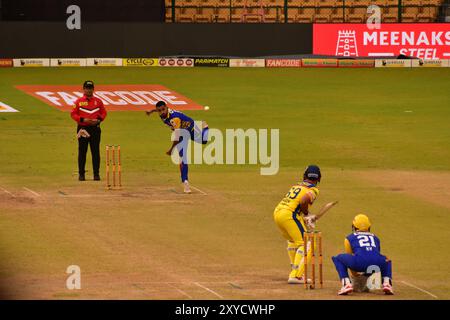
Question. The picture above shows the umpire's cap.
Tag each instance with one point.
(312, 172)
(88, 84)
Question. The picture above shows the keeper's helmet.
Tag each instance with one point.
(312, 172)
(361, 223)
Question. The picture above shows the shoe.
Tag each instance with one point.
(387, 289)
(81, 177)
(298, 280)
(348, 288)
(96, 177)
(187, 189)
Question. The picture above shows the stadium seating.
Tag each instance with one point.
(299, 11)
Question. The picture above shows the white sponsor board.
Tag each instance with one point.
(31, 62)
(104, 62)
(435, 63)
(68, 62)
(251, 63)
(176, 62)
(5, 108)
(393, 63)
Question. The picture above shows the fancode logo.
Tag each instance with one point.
(280, 63)
(126, 97)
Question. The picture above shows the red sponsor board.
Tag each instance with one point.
(319, 63)
(127, 97)
(363, 63)
(6, 63)
(283, 63)
(424, 40)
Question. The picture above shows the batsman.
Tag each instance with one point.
(293, 218)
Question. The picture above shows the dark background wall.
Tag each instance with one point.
(91, 10)
(116, 39)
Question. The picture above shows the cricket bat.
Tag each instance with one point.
(325, 208)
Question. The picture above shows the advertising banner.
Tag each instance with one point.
(68, 62)
(393, 63)
(319, 63)
(437, 63)
(6, 63)
(140, 62)
(176, 62)
(421, 40)
(211, 62)
(33, 62)
(283, 63)
(249, 63)
(360, 63)
(127, 97)
(103, 62)
(5, 108)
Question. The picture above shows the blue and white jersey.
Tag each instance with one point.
(364, 243)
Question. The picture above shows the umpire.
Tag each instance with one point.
(88, 112)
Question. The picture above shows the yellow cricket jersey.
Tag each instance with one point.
(291, 200)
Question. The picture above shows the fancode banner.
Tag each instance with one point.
(103, 62)
(249, 63)
(430, 63)
(127, 97)
(421, 40)
(6, 63)
(363, 63)
(211, 62)
(35, 62)
(393, 63)
(5, 108)
(283, 63)
(320, 63)
(140, 62)
(176, 62)
(65, 62)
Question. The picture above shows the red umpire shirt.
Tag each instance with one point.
(88, 108)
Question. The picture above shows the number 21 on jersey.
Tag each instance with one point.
(366, 241)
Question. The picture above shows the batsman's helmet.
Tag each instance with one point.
(361, 222)
(312, 172)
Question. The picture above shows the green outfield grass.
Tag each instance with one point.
(148, 241)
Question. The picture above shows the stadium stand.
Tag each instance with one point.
(298, 11)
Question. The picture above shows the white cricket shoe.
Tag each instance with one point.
(387, 289)
(348, 288)
(187, 188)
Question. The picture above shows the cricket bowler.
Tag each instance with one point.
(177, 120)
(292, 216)
(363, 253)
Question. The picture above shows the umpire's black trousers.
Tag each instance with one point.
(94, 141)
